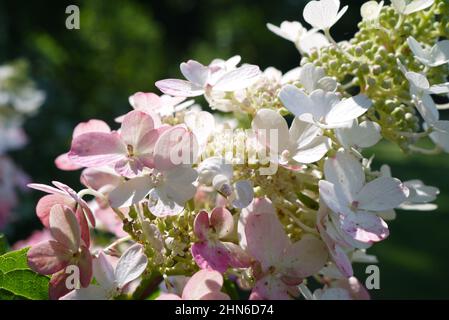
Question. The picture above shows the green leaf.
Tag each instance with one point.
(3, 244)
(18, 281)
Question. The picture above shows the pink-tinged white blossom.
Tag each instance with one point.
(36, 237)
(128, 151)
(370, 10)
(282, 264)
(203, 285)
(110, 281)
(63, 195)
(218, 77)
(211, 251)
(63, 162)
(67, 248)
(354, 201)
(324, 109)
(163, 105)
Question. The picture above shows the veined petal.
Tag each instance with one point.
(48, 257)
(348, 109)
(222, 222)
(179, 88)
(346, 173)
(381, 194)
(45, 204)
(135, 126)
(201, 283)
(268, 122)
(131, 265)
(195, 72)
(93, 125)
(238, 79)
(97, 149)
(314, 151)
(130, 192)
(64, 227)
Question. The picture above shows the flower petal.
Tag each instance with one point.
(201, 283)
(97, 149)
(64, 227)
(48, 257)
(381, 194)
(179, 88)
(130, 192)
(131, 265)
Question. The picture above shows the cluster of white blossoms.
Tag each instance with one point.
(18, 98)
(269, 192)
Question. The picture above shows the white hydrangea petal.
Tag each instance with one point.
(237, 79)
(382, 194)
(348, 109)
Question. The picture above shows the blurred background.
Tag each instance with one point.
(125, 46)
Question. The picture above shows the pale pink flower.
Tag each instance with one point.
(281, 264)
(354, 202)
(211, 252)
(203, 285)
(36, 237)
(128, 151)
(63, 195)
(63, 162)
(163, 105)
(67, 248)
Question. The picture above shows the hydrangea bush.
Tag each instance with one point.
(273, 192)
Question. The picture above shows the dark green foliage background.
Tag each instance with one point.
(125, 46)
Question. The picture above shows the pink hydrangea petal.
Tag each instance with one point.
(265, 236)
(211, 255)
(97, 178)
(80, 201)
(202, 283)
(364, 227)
(135, 126)
(110, 221)
(304, 257)
(46, 188)
(64, 227)
(84, 227)
(48, 257)
(222, 222)
(179, 88)
(93, 125)
(97, 149)
(340, 258)
(145, 101)
(201, 225)
(174, 147)
(85, 266)
(238, 258)
(45, 204)
(273, 288)
(63, 162)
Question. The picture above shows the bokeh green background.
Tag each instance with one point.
(125, 46)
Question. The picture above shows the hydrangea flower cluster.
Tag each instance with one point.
(268, 193)
(18, 98)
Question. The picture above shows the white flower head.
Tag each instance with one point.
(323, 14)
